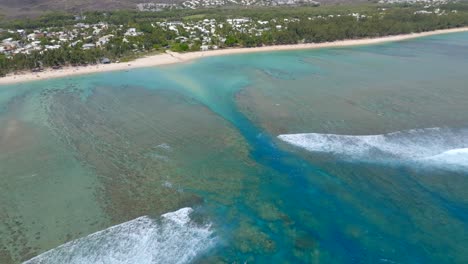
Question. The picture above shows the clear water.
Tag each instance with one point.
(85, 154)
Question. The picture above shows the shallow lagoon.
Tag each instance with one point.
(79, 155)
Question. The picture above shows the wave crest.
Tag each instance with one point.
(171, 239)
(453, 157)
(430, 145)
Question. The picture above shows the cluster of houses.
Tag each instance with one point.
(294, 2)
(195, 4)
(208, 33)
(26, 41)
(9, 45)
(429, 6)
(156, 7)
(429, 3)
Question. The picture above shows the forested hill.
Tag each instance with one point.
(34, 8)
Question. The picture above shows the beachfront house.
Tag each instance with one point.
(105, 61)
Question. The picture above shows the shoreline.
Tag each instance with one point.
(173, 57)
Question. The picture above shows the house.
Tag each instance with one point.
(80, 17)
(204, 47)
(31, 36)
(105, 61)
(175, 23)
(73, 44)
(97, 31)
(181, 39)
(7, 40)
(88, 46)
(132, 32)
(81, 25)
(104, 40)
(423, 12)
(51, 47)
(39, 35)
(173, 28)
(9, 47)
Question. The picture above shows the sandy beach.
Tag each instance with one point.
(172, 57)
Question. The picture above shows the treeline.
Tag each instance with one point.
(56, 19)
(347, 27)
(50, 58)
(116, 49)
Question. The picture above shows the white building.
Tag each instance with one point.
(104, 40)
(132, 32)
(88, 46)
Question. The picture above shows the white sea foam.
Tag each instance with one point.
(173, 238)
(431, 145)
(454, 157)
(164, 146)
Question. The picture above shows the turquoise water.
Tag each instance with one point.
(85, 153)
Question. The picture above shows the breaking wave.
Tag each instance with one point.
(435, 146)
(173, 238)
(453, 157)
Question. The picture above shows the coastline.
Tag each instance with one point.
(173, 57)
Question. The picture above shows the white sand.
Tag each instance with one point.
(172, 57)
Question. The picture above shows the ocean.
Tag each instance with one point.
(339, 155)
